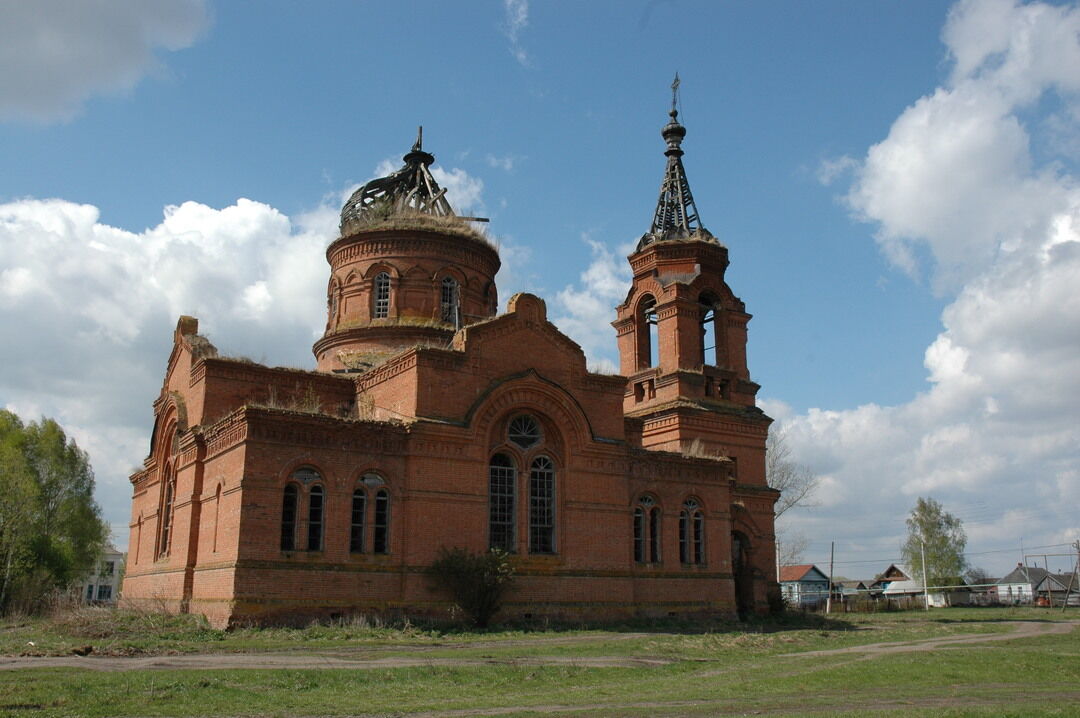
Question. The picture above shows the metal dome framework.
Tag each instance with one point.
(409, 190)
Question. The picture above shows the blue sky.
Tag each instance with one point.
(896, 182)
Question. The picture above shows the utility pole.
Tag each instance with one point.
(778, 562)
(828, 601)
(1072, 579)
(925, 591)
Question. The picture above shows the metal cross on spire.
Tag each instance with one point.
(676, 214)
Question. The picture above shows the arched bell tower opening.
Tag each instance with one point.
(405, 271)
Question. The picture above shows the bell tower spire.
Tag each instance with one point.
(682, 332)
(676, 215)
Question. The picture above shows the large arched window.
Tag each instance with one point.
(502, 477)
(380, 535)
(315, 519)
(542, 506)
(691, 533)
(356, 528)
(289, 507)
(381, 296)
(450, 301)
(647, 530)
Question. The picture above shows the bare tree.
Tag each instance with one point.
(795, 482)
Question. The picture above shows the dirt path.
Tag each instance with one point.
(362, 659)
(306, 661)
(1024, 629)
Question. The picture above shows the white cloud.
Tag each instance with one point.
(56, 54)
(517, 18)
(87, 310)
(585, 312)
(956, 177)
(505, 162)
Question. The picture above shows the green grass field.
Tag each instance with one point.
(954, 662)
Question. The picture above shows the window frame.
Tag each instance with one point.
(380, 295)
(542, 528)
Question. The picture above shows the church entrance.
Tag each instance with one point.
(743, 573)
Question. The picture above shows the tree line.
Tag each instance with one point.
(51, 530)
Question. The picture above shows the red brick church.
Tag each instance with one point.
(431, 420)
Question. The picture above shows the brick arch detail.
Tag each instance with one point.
(531, 392)
(285, 476)
(382, 266)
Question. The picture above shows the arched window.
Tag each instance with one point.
(217, 515)
(523, 431)
(381, 296)
(380, 538)
(288, 517)
(332, 303)
(691, 533)
(356, 529)
(639, 534)
(502, 476)
(450, 301)
(315, 519)
(647, 530)
(709, 335)
(542, 506)
(654, 534)
(138, 539)
(648, 333)
(167, 515)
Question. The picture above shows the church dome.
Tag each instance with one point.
(409, 190)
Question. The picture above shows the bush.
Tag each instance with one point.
(477, 582)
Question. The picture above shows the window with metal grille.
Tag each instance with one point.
(502, 476)
(288, 518)
(356, 529)
(315, 519)
(524, 431)
(380, 539)
(691, 533)
(450, 300)
(542, 506)
(382, 295)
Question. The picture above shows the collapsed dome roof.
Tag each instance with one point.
(409, 190)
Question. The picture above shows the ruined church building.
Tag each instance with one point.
(431, 420)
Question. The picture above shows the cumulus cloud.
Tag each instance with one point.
(56, 54)
(87, 310)
(956, 181)
(585, 311)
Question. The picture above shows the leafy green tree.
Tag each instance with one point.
(942, 535)
(476, 581)
(51, 531)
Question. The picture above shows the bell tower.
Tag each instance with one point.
(682, 333)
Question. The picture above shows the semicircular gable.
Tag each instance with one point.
(525, 392)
